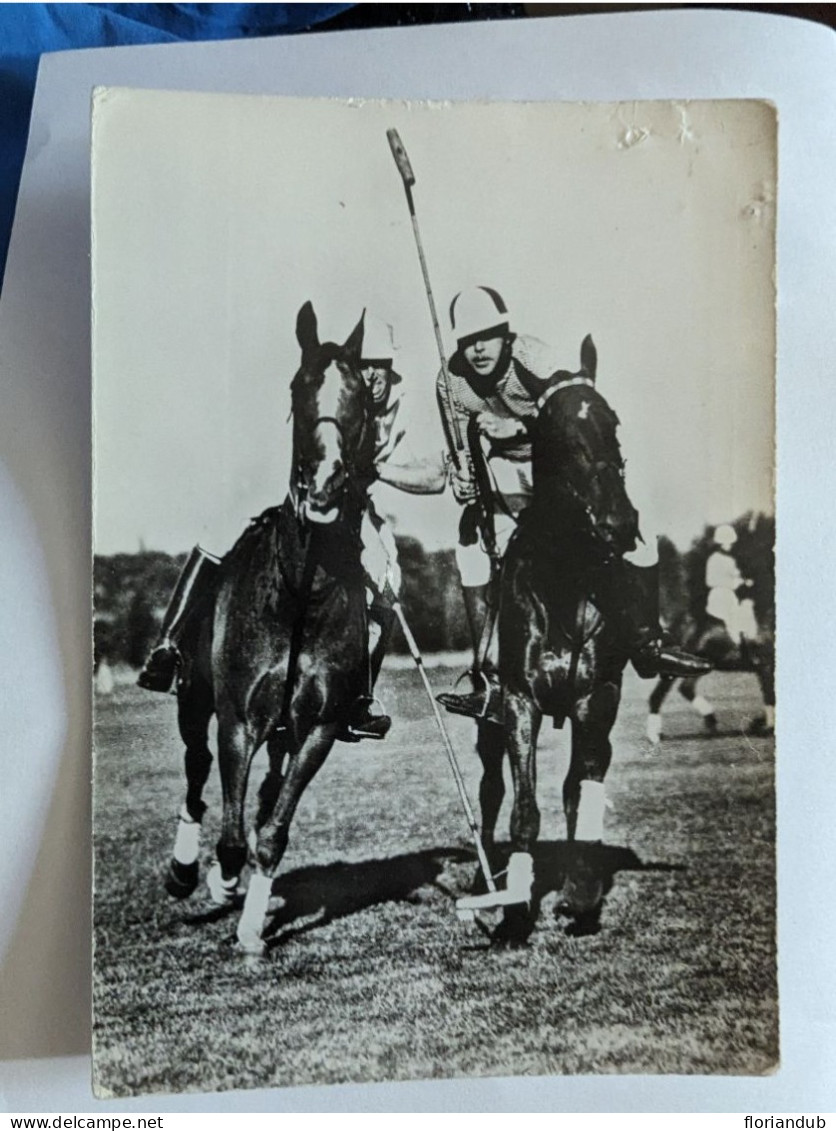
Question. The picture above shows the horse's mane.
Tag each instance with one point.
(578, 415)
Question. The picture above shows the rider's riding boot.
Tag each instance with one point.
(362, 722)
(195, 583)
(485, 700)
(637, 587)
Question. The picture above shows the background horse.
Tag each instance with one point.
(560, 653)
(282, 654)
(712, 641)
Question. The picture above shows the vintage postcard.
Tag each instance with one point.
(434, 590)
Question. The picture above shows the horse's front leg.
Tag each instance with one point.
(277, 748)
(522, 725)
(584, 800)
(235, 753)
(194, 710)
(654, 708)
(490, 747)
(273, 834)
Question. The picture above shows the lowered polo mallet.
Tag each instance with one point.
(448, 747)
(520, 876)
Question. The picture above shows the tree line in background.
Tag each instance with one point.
(132, 591)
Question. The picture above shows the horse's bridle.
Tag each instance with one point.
(566, 487)
(300, 485)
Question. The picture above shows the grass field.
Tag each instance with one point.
(370, 976)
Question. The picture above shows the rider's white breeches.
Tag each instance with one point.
(473, 561)
(738, 616)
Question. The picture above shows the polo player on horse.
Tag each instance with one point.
(196, 584)
(495, 380)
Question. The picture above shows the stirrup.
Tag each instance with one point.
(372, 726)
(484, 705)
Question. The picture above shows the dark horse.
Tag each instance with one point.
(283, 654)
(560, 653)
(712, 641)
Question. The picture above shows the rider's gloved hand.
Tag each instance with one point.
(462, 484)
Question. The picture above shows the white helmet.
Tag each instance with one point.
(725, 536)
(379, 343)
(476, 311)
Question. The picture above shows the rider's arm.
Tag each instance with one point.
(425, 476)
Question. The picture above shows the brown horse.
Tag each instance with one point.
(283, 654)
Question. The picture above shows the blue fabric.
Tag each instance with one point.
(28, 30)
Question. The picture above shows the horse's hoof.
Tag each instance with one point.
(515, 928)
(181, 879)
(710, 723)
(222, 892)
(583, 886)
(251, 945)
(760, 728)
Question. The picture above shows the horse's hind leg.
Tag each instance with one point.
(654, 707)
(764, 724)
(235, 752)
(194, 710)
(274, 833)
(584, 800)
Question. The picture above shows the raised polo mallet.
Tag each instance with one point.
(408, 178)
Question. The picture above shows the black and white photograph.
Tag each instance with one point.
(433, 509)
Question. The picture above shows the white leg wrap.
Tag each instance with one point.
(702, 706)
(590, 824)
(520, 877)
(251, 923)
(187, 841)
(769, 713)
(654, 729)
(221, 891)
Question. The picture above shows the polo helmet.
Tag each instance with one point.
(725, 536)
(476, 311)
(379, 342)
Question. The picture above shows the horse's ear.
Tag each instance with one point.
(589, 357)
(306, 329)
(354, 342)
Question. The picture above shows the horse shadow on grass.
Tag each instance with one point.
(315, 896)
(312, 897)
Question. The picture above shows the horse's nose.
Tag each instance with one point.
(325, 493)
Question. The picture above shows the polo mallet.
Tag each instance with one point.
(448, 748)
(457, 446)
(408, 178)
(467, 906)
